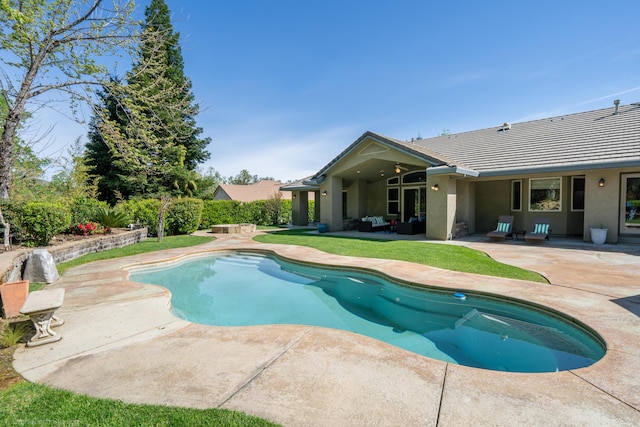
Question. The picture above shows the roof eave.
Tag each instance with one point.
(452, 170)
(561, 168)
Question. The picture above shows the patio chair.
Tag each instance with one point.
(540, 231)
(503, 230)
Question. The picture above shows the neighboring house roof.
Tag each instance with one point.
(261, 190)
(596, 139)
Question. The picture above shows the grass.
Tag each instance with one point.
(37, 405)
(31, 404)
(149, 245)
(449, 257)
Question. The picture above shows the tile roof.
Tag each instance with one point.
(261, 190)
(594, 139)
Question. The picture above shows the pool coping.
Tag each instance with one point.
(299, 375)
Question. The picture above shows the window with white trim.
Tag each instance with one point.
(577, 193)
(544, 194)
(516, 195)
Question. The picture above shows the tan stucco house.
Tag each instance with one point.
(579, 170)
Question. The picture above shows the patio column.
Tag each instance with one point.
(300, 208)
(331, 203)
(441, 206)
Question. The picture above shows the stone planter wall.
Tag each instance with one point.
(71, 250)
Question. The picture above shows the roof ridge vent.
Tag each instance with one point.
(617, 105)
(505, 127)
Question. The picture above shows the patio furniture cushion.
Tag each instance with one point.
(504, 228)
(540, 231)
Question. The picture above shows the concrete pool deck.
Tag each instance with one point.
(120, 341)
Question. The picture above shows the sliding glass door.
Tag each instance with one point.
(630, 206)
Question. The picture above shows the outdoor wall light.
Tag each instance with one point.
(324, 193)
(435, 187)
(601, 182)
(294, 197)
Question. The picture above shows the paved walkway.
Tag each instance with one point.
(120, 341)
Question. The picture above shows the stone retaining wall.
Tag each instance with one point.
(71, 250)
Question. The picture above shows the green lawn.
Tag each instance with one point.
(450, 257)
(149, 245)
(27, 404)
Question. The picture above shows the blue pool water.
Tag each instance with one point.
(253, 289)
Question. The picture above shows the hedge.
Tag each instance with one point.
(41, 221)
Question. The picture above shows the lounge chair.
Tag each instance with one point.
(540, 231)
(504, 228)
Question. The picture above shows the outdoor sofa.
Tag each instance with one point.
(373, 223)
(415, 225)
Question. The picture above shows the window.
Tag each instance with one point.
(516, 195)
(414, 177)
(344, 204)
(544, 194)
(393, 201)
(393, 181)
(631, 200)
(577, 193)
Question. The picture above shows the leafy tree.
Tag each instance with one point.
(147, 121)
(179, 125)
(112, 181)
(27, 174)
(245, 178)
(207, 183)
(54, 45)
(152, 165)
(75, 179)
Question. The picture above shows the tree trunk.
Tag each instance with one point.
(6, 153)
(165, 201)
(7, 232)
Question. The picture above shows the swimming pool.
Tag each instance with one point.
(240, 289)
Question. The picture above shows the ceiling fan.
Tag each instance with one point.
(399, 168)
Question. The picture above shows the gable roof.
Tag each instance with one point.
(589, 140)
(261, 190)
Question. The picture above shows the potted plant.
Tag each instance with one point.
(13, 295)
(599, 234)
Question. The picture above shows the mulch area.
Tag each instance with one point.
(8, 376)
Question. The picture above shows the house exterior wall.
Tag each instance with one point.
(357, 199)
(377, 198)
(441, 207)
(493, 198)
(465, 210)
(601, 204)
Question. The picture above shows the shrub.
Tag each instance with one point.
(111, 218)
(85, 209)
(184, 216)
(220, 212)
(41, 221)
(259, 212)
(11, 213)
(143, 212)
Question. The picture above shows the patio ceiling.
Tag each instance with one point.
(374, 170)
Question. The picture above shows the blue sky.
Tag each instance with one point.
(284, 86)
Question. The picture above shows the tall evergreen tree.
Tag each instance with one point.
(158, 93)
(112, 181)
